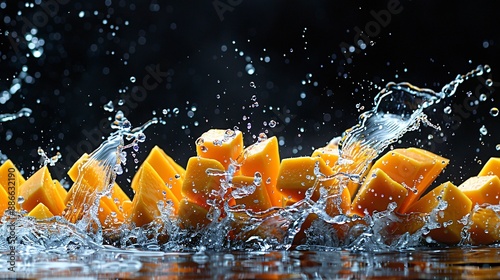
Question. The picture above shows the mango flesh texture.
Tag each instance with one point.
(482, 189)
(414, 168)
(221, 145)
(458, 205)
(198, 185)
(191, 215)
(485, 226)
(492, 167)
(256, 201)
(150, 190)
(377, 191)
(40, 188)
(171, 173)
(4, 178)
(40, 212)
(264, 157)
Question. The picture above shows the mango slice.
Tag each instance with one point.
(414, 168)
(221, 145)
(377, 191)
(485, 227)
(492, 167)
(198, 185)
(329, 154)
(150, 190)
(191, 215)
(264, 157)
(40, 188)
(61, 191)
(4, 178)
(171, 173)
(458, 205)
(40, 212)
(256, 201)
(482, 189)
(296, 176)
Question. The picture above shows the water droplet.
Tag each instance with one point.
(272, 123)
(176, 110)
(250, 69)
(109, 106)
(482, 97)
(498, 147)
(483, 130)
(447, 110)
(20, 199)
(204, 149)
(494, 111)
(132, 79)
(489, 82)
(252, 85)
(200, 141)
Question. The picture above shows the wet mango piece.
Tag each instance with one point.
(192, 215)
(256, 201)
(61, 191)
(485, 227)
(4, 177)
(296, 176)
(4, 200)
(221, 145)
(109, 214)
(40, 188)
(414, 168)
(198, 185)
(40, 212)
(264, 157)
(458, 205)
(482, 189)
(150, 190)
(492, 167)
(377, 191)
(171, 173)
(126, 208)
(329, 154)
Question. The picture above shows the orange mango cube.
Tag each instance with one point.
(458, 205)
(256, 201)
(377, 191)
(192, 215)
(198, 185)
(492, 167)
(264, 157)
(482, 189)
(150, 190)
(296, 176)
(329, 154)
(7, 181)
(485, 227)
(414, 168)
(221, 145)
(40, 212)
(40, 188)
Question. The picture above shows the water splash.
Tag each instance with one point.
(24, 112)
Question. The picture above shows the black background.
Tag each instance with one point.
(427, 44)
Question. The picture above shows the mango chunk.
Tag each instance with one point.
(458, 205)
(171, 173)
(40, 212)
(264, 157)
(296, 176)
(198, 185)
(414, 168)
(126, 208)
(11, 182)
(329, 154)
(40, 188)
(150, 190)
(492, 167)
(221, 145)
(485, 226)
(109, 214)
(482, 189)
(61, 191)
(377, 191)
(192, 215)
(256, 201)
(4, 200)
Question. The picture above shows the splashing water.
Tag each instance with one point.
(24, 112)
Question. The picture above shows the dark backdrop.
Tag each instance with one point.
(220, 64)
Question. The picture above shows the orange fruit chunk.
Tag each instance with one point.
(458, 205)
(40, 188)
(221, 145)
(258, 200)
(414, 168)
(4, 200)
(492, 167)
(171, 173)
(9, 184)
(61, 191)
(264, 157)
(40, 212)
(198, 185)
(485, 227)
(482, 189)
(192, 215)
(329, 154)
(150, 190)
(296, 176)
(377, 191)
